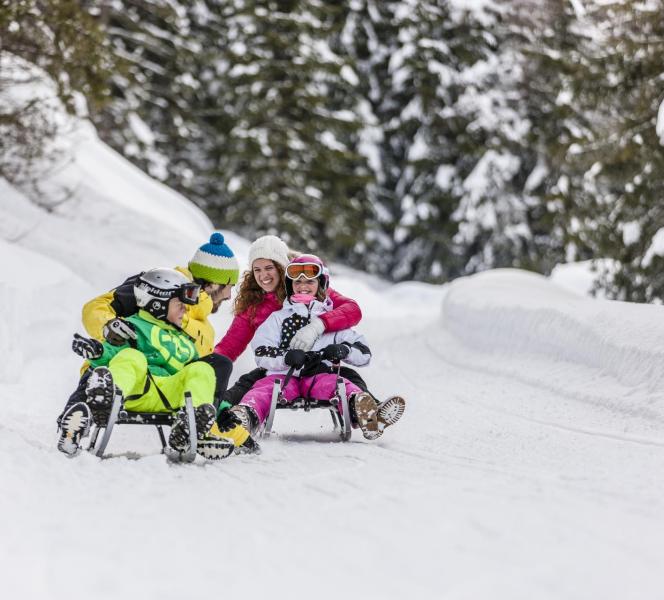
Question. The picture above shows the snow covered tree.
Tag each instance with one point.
(628, 152)
(63, 39)
(285, 160)
(242, 105)
(442, 135)
(551, 43)
(607, 146)
(154, 89)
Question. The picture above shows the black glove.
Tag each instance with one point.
(86, 347)
(119, 332)
(313, 359)
(227, 420)
(336, 352)
(295, 358)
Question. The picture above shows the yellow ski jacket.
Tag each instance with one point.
(120, 302)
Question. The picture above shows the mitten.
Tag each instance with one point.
(305, 338)
(295, 358)
(86, 347)
(118, 332)
(227, 420)
(336, 352)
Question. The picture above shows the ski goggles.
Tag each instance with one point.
(307, 270)
(188, 293)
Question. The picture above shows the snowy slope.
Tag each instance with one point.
(527, 466)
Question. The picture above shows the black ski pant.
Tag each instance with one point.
(77, 396)
(223, 367)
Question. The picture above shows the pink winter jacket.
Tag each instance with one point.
(345, 314)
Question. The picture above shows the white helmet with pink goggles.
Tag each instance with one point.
(306, 266)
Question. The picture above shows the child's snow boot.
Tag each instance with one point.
(249, 446)
(365, 410)
(99, 391)
(179, 436)
(229, 425)
(247, 417)
(390, 411)
(99, 388)
(212, 447)
(74, 426)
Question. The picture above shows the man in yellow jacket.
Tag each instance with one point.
(213, 266)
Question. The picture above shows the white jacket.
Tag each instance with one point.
(272, 338)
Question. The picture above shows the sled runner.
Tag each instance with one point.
(337, 405)
(211, 449)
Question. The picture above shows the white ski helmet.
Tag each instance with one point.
(156, 287)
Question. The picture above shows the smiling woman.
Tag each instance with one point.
(263, 290)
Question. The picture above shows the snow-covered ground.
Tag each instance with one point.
(528, 464)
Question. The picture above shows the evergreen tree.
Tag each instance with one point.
(553, 45)
(62, 38)
(246, 103)
(622, 196)
(442, 135)
(154, 91)
(288, 164)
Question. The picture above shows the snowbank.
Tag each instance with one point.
(520, 318)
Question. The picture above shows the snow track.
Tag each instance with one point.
(510, 476)
(527, 466)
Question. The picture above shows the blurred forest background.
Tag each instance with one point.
(413, 139)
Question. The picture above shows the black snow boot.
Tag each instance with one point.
(250, 446)
(74, 426)
(179, 437)
(99, 392)
(247, 417)
(215, 448)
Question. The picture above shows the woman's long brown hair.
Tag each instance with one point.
(251, 294)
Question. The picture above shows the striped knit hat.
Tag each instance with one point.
(215, 262)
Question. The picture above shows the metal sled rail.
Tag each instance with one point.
(337, 405)
(121, 416)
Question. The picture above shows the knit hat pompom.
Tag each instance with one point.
(217, 239)
(215, 262)
(271, 248)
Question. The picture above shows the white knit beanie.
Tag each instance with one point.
(270, 247)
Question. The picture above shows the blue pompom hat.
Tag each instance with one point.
(215, 262)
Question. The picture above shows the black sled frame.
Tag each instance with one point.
(340, 418)
(119, 415)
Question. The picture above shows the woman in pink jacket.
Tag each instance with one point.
(262, 292)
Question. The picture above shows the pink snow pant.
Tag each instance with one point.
(324, 387)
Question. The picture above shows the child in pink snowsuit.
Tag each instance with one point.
(307, 280)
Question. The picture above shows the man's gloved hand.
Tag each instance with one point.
(86, 347)
(295, 358)
(227, 420)
(336, 352)
(118, 332)
(305, 338)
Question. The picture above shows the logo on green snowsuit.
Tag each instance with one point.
(176, 350)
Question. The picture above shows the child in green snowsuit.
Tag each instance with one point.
(154, 371)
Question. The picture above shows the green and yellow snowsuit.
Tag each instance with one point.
(154, 374)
